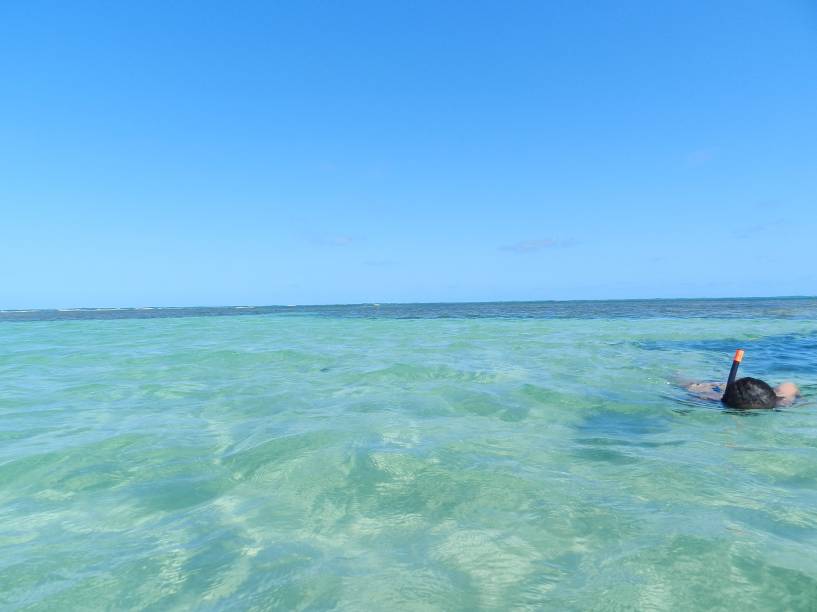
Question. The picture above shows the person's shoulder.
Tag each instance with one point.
(787, 393)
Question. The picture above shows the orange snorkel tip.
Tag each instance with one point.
(734, 371)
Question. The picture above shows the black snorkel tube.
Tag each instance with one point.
(734, 371)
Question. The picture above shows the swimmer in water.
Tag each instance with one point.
(746, 393)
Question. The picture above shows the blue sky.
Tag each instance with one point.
(209, 153)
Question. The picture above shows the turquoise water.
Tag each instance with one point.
(440, 457)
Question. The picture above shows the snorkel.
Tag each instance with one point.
(734, 371)
(747, 392)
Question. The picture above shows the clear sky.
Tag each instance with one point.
(215, 153)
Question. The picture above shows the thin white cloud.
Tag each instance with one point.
(532, 246)
(335, 241)
(751, 231)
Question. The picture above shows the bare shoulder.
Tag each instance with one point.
(787, 393)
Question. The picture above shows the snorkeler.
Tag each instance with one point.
(746, 393)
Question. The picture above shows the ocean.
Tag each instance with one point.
(507, 456)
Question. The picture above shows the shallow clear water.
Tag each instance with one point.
(440, 457)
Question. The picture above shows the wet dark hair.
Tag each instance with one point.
(749, 393)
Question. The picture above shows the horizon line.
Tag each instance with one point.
(430, 303)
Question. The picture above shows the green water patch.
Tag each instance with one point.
(332, 462)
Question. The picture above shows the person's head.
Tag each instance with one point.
(749, 393)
